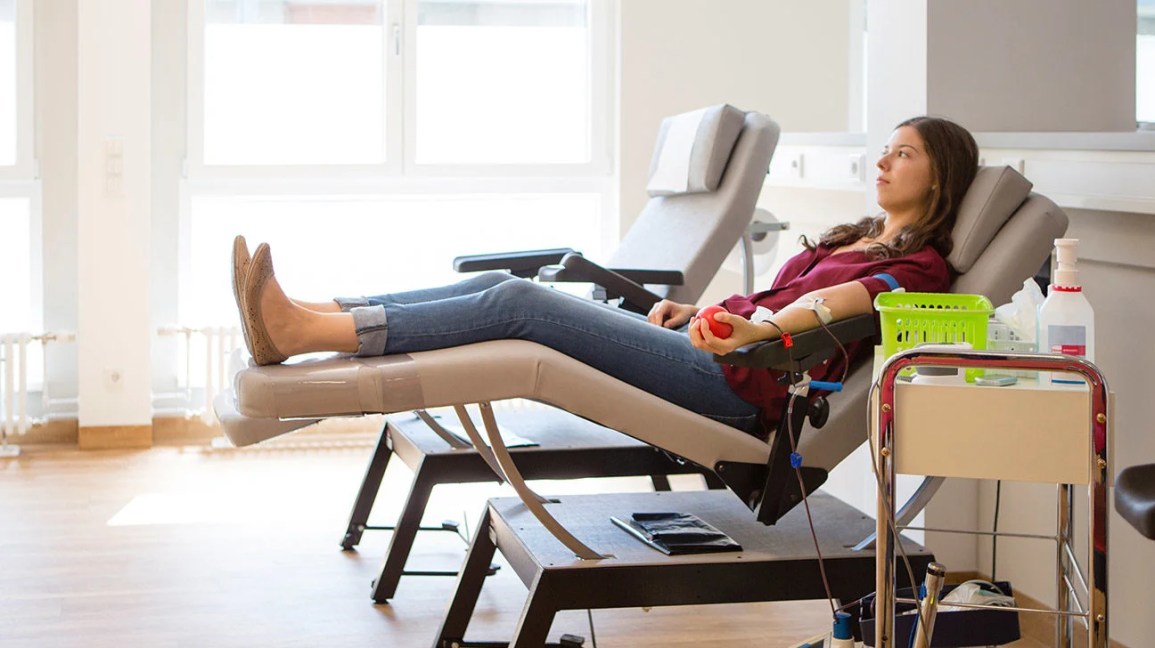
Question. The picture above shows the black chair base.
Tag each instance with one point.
(569, 448)
(777, 563)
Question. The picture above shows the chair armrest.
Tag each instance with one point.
(656, 277)
(576, 268)
(810, 347)
(521, 264)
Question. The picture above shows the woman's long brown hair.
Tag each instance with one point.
(954, 162)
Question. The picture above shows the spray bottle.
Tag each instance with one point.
(1066, 320)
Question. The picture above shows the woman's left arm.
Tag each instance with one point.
(843, 301)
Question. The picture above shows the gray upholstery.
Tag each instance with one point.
(487, 371)
(716, 131)
(993, 196)
(693, 233)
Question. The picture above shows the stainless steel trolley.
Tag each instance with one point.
(1046, 420)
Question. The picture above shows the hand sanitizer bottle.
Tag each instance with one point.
(1066, 320)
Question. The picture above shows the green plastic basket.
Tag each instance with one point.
(910, 319)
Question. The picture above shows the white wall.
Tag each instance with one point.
(785, 59)
(1075, 79)
(169, 119)
(113, 217)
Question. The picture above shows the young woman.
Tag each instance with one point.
(924, 171)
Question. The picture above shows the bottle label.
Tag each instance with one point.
(1069, 340)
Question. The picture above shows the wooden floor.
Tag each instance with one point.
(196, 547)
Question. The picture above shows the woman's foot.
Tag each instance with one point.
(280, 327)
(241, 261)
(262, 312)
(240, 269)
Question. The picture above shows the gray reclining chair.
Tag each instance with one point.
(1002, 237)
(673, 250)
(720, 157)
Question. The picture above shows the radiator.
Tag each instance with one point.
(14, 384)
(217, 344)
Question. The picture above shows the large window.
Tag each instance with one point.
(294, 83)
(8, 82)
(16, 265)
(326, 247)
(502, 82)
(1145, 65)
(371, 141)
(517, 87)
(19, 215)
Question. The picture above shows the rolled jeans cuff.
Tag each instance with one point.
(349, 303)
(372, 329)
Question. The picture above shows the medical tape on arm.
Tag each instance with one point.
(815, 304)
(761, 314)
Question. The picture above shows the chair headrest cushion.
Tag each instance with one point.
(994, 195)
(692, 150)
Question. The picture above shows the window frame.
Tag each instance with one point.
(24, 169)
(1140, 125)
(400, 32)
(21, 179)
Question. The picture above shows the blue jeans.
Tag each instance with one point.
(498, 306)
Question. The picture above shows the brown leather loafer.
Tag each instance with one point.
(241, 260)
(261, 347)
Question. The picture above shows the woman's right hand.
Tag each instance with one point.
(670, 314)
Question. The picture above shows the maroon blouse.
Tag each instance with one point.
(921, 271)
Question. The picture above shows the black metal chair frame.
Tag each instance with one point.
(569, 448)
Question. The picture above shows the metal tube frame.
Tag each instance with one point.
(501, 462)
(1096, 615)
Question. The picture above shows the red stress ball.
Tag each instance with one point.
(719, 329)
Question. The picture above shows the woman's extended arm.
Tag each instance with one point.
(844, 300)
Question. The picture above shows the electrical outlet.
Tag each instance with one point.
(794, 163)
(857, 167)
(786, 165)
(113, 378)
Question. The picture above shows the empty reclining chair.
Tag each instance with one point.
(673, 250)
(1003, 236)
(705, 177)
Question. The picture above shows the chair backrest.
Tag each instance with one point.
(1003, 235)
(693, 230)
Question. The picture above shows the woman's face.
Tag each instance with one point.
(905, 172)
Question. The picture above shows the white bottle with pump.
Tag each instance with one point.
(1066, 320)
